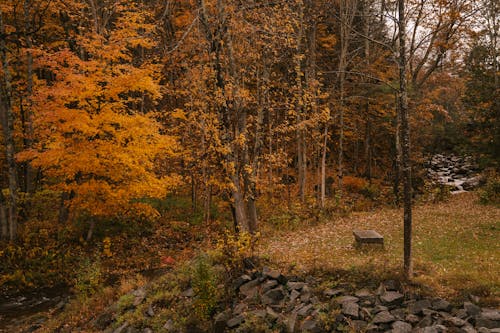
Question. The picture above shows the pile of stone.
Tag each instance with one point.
(293, 306)
(459, 173)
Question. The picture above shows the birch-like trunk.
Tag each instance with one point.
(405, 141)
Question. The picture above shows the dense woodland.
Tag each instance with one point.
(121, 116)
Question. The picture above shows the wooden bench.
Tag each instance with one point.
(368, 237)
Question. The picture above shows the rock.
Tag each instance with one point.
(490, 314)
(333, 292)
(441, 305)
(383, 317)
(379, 308)
(240, 308)
(365, 314)
(495, 330)
(483, 322)
(411, 318)
(121, 328)
(271, 314)
(305, 294)
(472, 183)
(294, 295)
(429, 312)
(380, 290)
(363, 293)
(220, 322)
(401, 327)
(295, 285)
(398, 313)
(140, 295)
(483, 330)
(305, 310)
(468, 329)
(428, 329)
(147, 330)
(235, 321)
(392, 285)
(418, 306)
(274, 296)
(250, 288)
(270, 284)
(460, 313)
(457, 322)
(271, 273)
(472, 309)
(350, 309)
(188, 293)
(150, 311)
(426, 321)
(241, 280)
(346, 299)
(358, 325)
(391, 297)
(310, 325)
(169, 326)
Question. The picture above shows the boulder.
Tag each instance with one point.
(274, 296)
(401, 327)
(383, 317)
(350, 309)
(391, 297)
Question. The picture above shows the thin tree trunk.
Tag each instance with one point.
(368, 147)
(398, 157)
(4, 223)
(347, 12)
(28, 121)
(405, 137)
(90, 232)
(323, 166)
(301, 146)
(63, 208)
(8, 132)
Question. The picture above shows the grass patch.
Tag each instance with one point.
(456, 249)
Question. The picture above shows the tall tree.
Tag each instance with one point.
(7, 119)
(405, 141)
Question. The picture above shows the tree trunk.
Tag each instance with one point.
(4, 223)
(405, 137)
(7, 117)
(368, 155)
(323, 166)
(398, 153)
(301, 146)
(347, 12)
(28, 116)
(63, 209)
(90, 232)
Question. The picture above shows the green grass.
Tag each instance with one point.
(455, 247)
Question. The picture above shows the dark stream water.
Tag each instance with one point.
(30, 309)
(27, 311)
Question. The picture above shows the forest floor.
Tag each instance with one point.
(456, 247)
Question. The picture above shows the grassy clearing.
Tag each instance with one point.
(456, 248)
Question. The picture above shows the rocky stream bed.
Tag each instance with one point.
(459, 173)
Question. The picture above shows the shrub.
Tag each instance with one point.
(88, 278)
(204, 282)
(490, 194)
(354, 184)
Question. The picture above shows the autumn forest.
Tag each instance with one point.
(135, 133)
